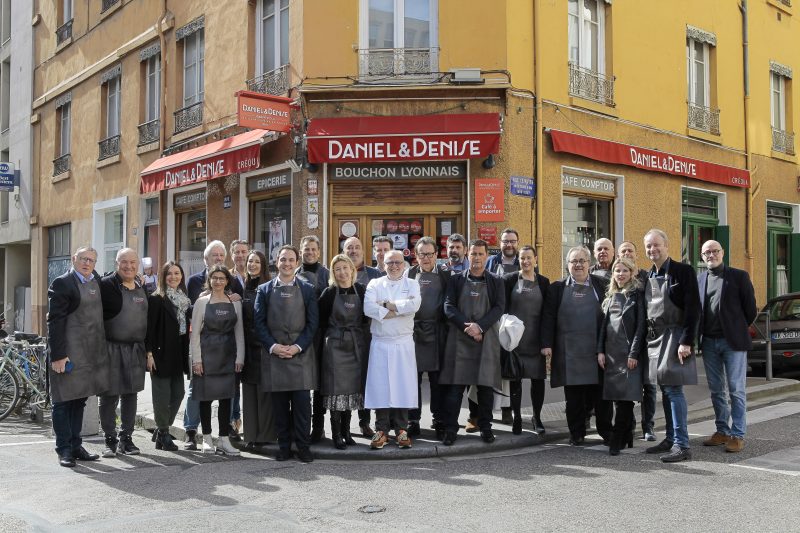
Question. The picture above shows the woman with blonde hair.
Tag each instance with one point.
(344, 354)
(620, 345)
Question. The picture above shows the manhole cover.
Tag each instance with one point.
(369, 509)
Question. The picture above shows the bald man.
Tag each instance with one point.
(604, 257)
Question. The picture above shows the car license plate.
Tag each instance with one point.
(783, 335)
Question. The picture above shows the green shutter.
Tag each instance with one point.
(724, 239)
(794, 265)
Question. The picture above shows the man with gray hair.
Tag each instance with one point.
(125, 315)
(604, 257)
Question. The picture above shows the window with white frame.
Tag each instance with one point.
(64, 127)
(152, 87)
(273, 34)
(113, 106)
(399, 37)
(780, 81)
(697, 72)
(778, 101)
(586, 34)
(109, 231)
(66, 11)
(193, 62)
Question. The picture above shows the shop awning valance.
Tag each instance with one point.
(240, 153)
(403, 138)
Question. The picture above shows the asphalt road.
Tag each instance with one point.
(547, 487)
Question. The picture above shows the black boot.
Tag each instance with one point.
(538, 427)
(348, 438)
(191, 444)
(126, 445)
(165, 441)
(516, 406)
(318, 425)
(336, 430)
(614, 444)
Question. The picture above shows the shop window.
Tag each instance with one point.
(108, 235)
(584, 220)
(151, 231)
(587, 51)
(192, 240)
(701, 222)
(703, 114)
(272, 225)
(399, 37)
(58, 251)
(780, 109)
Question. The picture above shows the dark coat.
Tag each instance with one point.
(682, 291)
(553, 303)
(63, 298)
(196, 284)
(510, 280)
(634, 320)
(495, 291)
(306, 337)
(737, 307)
(497, 259)
(170, 349)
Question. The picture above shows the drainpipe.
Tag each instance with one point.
(537, 133)
(748, 154)
(163, 78)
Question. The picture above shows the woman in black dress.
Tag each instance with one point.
(167, 346)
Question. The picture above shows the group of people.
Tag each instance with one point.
(362, 337)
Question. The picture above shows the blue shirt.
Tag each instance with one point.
(82, 279)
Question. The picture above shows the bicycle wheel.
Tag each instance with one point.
(9, 392)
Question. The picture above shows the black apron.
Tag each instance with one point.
(526, 304)
(218, 354)
(86, 348)
(429, 330)
(468, 362)
(665, 322)
(575, 353)
(619, 382)
(344, 353)
(125, 334)
(286, 319)
(251, 372)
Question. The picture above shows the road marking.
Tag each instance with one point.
(26, 443)
(785, 462)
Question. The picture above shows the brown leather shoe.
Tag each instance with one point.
(734, 445)
(717, 439)
(471, 426)
(379, 440)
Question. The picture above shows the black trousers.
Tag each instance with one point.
(648, 407)
(623, 420)
(577, 398)
(317, 411)
(292, 412)
(454, 395)
(223, 417)
(67, 418)
(537, 397)
(436, 402)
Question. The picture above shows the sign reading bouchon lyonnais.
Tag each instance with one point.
(590, 184)
(190, 199)
(269, 181)
(399, 171)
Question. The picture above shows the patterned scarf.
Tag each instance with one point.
(181, 302)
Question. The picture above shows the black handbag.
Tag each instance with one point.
(510, 365)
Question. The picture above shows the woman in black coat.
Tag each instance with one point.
(167, 346)
(620, 346)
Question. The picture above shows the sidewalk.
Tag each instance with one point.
(425, 445)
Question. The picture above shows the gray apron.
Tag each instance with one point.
(665, 321)
(429, 331)
(526, 304)
(125, 334)
(503, 269)
(468, 362)
(345, 351)
(86, 348)
(619, 382)
(286, 318)
(575, 353)
(251, 372)
(218, 354)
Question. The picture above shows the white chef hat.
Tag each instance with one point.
(147, 262)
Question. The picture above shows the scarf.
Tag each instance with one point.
(181, 302)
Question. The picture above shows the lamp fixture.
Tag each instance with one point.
(489, 162)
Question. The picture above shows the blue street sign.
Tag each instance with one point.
(521, 186)
(7, 176)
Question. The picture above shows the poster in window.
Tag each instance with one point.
(400, 240)
(277, 238)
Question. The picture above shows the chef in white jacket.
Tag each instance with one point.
(391, 302)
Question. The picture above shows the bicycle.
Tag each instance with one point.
(23, 375)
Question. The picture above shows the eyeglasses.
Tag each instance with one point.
(87, 260)
(709, 253)
(509, 242)
(393, 263)
(426, 254)
(578, 262)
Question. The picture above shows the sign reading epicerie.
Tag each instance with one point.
(489, 200)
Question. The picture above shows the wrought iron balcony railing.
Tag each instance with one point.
(149, 132)
(398, 62)
(64, 32)
(787, 3)
(703, 118)
(188, 117)
(591, 85)
(274, 82)
(107, 4)
(109, 147)
(61, 164)
(783, 141)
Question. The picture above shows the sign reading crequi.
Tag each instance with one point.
(404, 138)
(646, 159)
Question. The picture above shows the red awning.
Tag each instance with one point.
(403, 138)
(239, 153)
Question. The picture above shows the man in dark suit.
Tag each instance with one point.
(673, 309)
(729, 307)
(78, 362)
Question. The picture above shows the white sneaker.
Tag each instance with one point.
(208, 444)
(225, 447)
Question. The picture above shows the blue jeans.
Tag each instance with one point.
(191, 416)
(67, 420)
(726, 366)
(676, 414)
